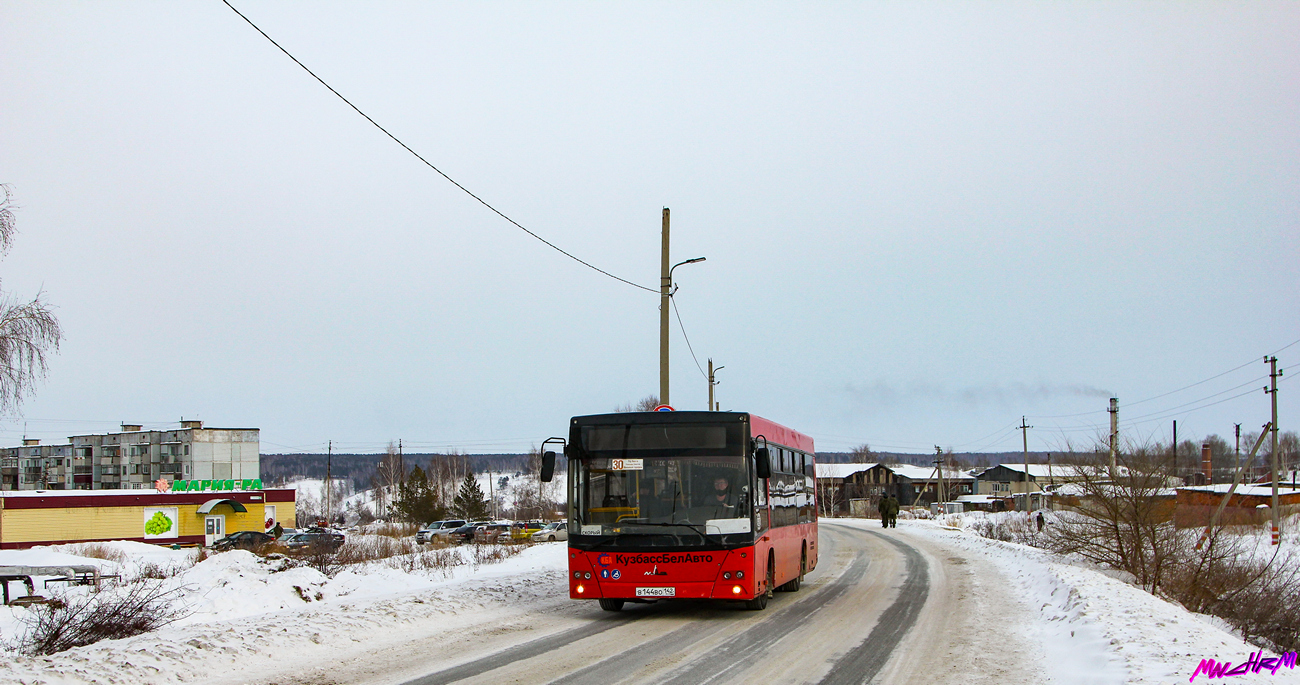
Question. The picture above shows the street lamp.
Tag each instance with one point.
(712, 383)
(665, 292)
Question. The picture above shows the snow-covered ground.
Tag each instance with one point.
(1156, 641)
(249, 621)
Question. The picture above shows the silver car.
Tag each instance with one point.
(427, 533)
(556, 530)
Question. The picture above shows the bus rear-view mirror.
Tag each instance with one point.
(762, 463)
(548, 467)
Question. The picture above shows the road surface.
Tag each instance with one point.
(882, 606)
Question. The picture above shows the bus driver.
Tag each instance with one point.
(722, 497)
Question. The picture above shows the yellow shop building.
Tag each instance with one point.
(196, 515)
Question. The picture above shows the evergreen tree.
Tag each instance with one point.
(470, 504)
(416, 501)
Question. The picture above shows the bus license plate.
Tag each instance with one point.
(656, 592)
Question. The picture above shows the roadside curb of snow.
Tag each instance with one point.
(1154, 640)
(261, 645)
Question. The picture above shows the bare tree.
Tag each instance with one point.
(388, 475)
(446, 472)
(1127, 520)
(28, 330)
(862, 454)
(647, 403)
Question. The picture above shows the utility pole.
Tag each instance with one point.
(1114, 432)
(938, 465)
(1175, 445)
(665, 291)
(1237, 430)
(401, 463)
(712, 406)
(329, 482)
(1024, 434)
(1273, 373)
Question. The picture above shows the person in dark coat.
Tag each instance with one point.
(1041, 521)
(883, 507)
(893, 510)
(278, 530)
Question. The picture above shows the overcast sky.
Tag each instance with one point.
(922, 221)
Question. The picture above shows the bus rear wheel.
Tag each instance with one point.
(611, 604)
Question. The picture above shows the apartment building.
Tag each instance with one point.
(133, 459)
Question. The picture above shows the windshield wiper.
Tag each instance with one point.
(610, 539)
(698, 531)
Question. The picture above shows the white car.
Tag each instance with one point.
(437, 528)
(557, 530)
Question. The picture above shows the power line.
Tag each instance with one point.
(1171, 392)
(673, 300)
(429, 164)
(1207, 397)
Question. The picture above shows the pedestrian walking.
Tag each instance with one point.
(893, 511)
(883, 507)
(1041, 521)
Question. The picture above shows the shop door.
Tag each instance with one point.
(270, 516)
(214, 529)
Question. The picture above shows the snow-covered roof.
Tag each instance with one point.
(927, 473)
(979, 499)
(1038, 470)
(841, 470)
(1253, 490)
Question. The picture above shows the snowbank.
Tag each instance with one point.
(1081, 608)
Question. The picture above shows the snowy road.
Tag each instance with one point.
(849, 624)
(922, 603)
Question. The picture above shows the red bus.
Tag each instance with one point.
(687, 505)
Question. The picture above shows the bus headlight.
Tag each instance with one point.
(735, 590)
(579, 589)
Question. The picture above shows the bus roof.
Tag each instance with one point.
(770, 430)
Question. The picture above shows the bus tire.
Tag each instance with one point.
(611, 604)
(759, 603)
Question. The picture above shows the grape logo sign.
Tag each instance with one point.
(160, 523)
(1255, 663)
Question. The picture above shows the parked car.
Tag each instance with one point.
(244, 539)
(437, 528)
(523, 530)
(492, 532)
(465, 533)
(313, 539)
(556, 530)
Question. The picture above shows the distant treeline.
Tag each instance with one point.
(360, 469)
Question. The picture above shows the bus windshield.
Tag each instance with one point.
(692, 500)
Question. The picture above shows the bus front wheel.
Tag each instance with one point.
(759, 603)
(611, 604)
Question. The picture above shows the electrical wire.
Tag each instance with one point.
(1207, 397)
(1171, 392)
(682, 328)
(427, 163)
